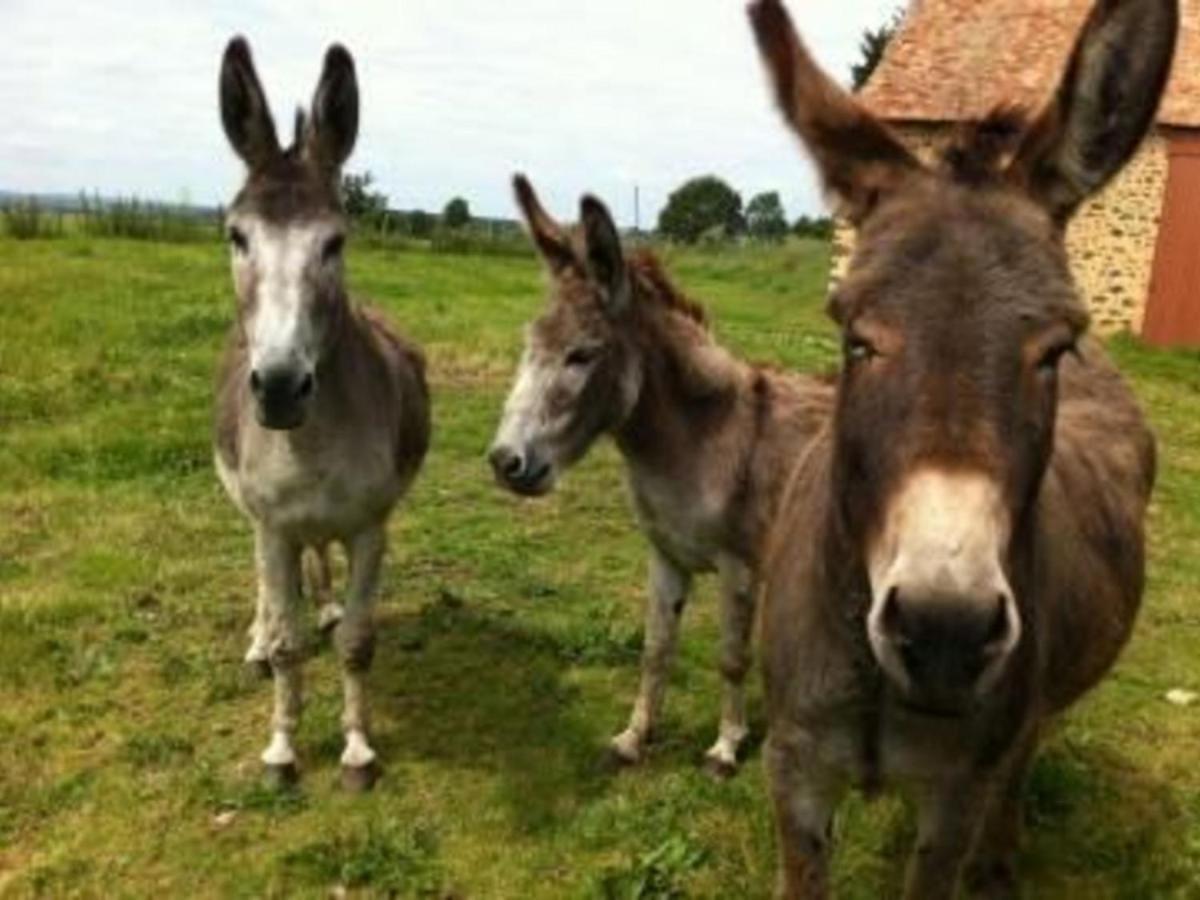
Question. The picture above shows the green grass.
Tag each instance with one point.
(509, 638)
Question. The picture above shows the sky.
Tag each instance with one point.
(604, 96)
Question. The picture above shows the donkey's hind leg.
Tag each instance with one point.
(318, 575)
(668, 593)
(355, 641)
(737, 622)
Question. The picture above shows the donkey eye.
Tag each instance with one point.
(582, 356)
(858, 349)
(238, 239)
(333, 248)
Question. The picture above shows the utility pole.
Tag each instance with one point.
(637, 209)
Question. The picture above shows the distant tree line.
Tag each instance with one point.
(707, 208)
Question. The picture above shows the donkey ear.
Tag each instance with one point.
(552, 242)
(333, 127)
(244, 110)
(605, 258)
(858, 158)
(1104, 106)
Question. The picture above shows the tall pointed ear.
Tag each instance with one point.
(605, 258)
(859, 160)
(552, 242)
(333, 126)
(1104, 106)
(245, 114)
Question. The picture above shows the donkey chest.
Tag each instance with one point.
(687, 522)
(326, 493)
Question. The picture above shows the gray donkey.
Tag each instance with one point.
(322, 416)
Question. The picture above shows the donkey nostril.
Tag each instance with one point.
(514, 465)
(892, 619)
(255, 382)
(998, 628)
(306, 385)
(505, 462)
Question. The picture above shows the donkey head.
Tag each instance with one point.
(286, 230)
(956, 313)
(580, 374)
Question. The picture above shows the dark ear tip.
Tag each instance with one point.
(591, 206)
(521, 184)
(338, 57)
(237, 50)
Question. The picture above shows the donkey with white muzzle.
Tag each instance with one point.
(322, 416)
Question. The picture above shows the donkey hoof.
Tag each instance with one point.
(280, 777)
(328, 617)
(719, 768)
(360, 779)
(257, 669)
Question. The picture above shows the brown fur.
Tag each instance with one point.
(964, 354)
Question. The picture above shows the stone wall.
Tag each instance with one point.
(1111, 241)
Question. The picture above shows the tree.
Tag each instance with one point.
(819, 228)
(872, 46)
(457, 214)
(420, 223)
(701, 205)
(359, 200)
(765, 219)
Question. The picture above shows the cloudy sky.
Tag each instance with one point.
(598, 95)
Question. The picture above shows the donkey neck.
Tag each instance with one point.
(689, 388)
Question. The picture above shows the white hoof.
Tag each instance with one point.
(626, 748)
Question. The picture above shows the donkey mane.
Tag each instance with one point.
(979, 150)
(653, 279)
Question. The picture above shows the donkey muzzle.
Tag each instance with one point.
(281, 395)
(522, 473)
(944, 653)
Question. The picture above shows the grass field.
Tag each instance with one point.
(129, 737)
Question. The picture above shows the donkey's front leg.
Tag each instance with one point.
(278, 562)
(949, 816)
(258, 656)
(805, 795)
(355, 641)
(668, 592)
(737, 620)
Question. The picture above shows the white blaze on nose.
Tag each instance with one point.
(282, 332)
(525, 418)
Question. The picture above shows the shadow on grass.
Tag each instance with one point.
(471, 689)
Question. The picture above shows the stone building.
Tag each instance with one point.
(1136, 247)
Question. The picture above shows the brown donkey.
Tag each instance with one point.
(707, 439)
(322, 414)
(960, 554)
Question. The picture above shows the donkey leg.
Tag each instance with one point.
(278, 562)
(992, 872)
(949, 816)
(805, 795)
(737, 621)
(668, 592)
(318, 574)
(355, 641)
(258, 656)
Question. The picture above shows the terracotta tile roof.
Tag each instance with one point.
(956, 59)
